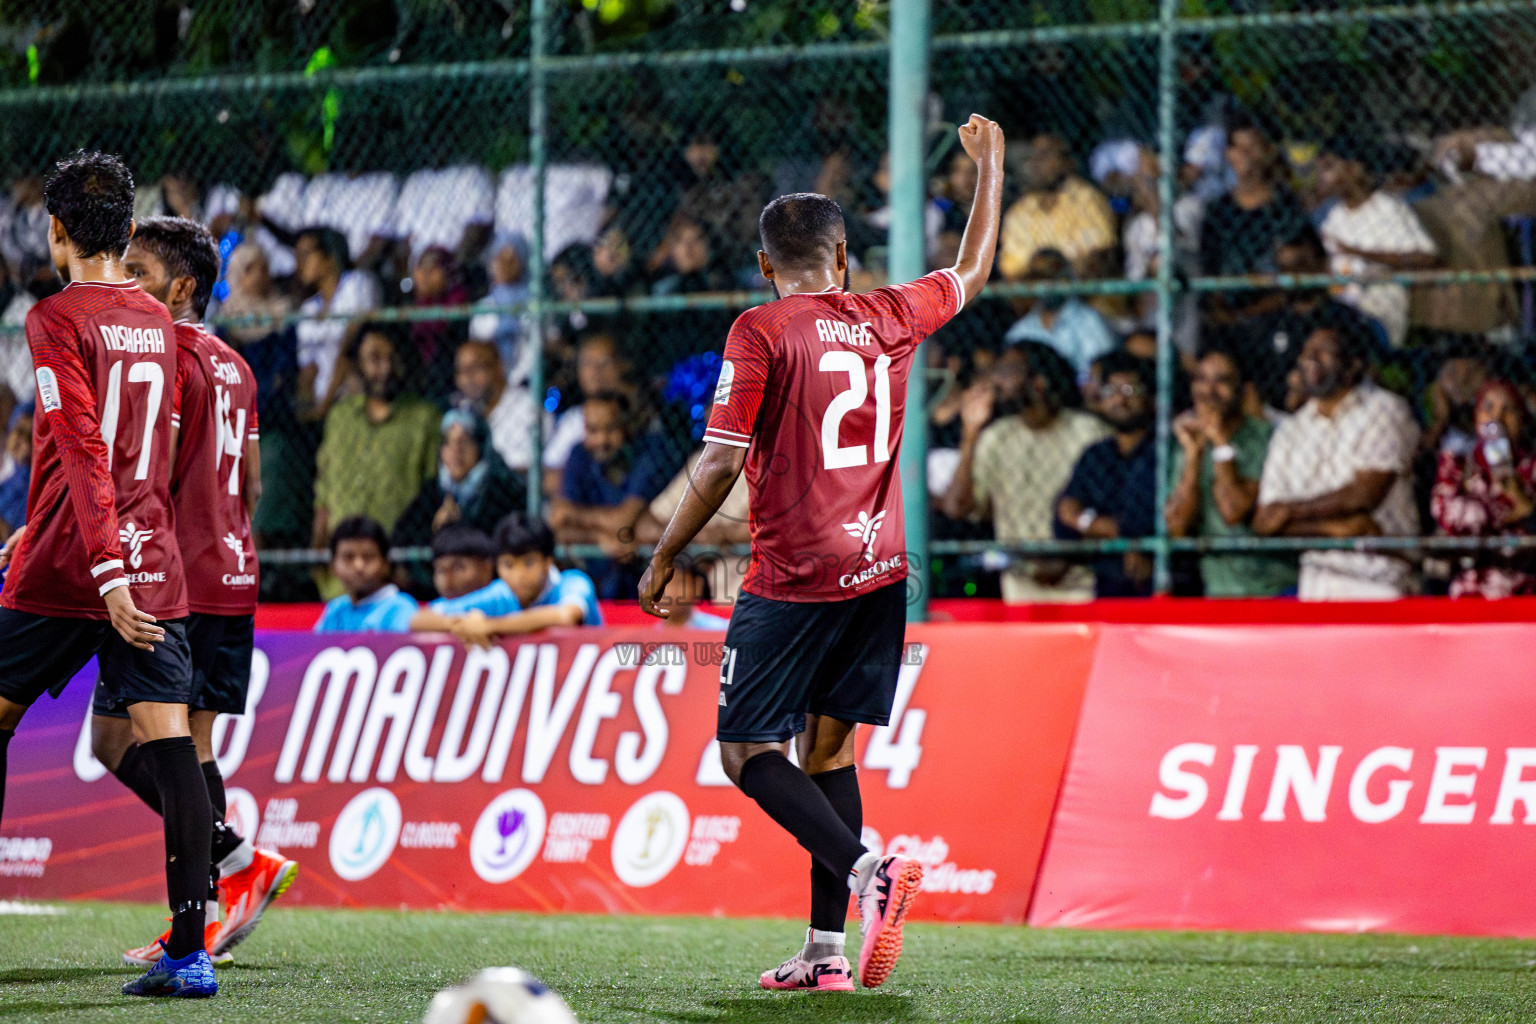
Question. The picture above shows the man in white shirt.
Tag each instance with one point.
(1369, 232)
(321, 255)
(1342, 467)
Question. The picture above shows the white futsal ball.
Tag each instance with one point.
(499, 995)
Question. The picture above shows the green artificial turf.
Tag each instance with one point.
(323, 966)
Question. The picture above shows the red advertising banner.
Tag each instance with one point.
(571, 772)
(1301, 778)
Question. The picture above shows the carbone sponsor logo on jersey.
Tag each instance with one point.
(650, 839)
(880, 568)
(24, 856)
(133, 539)
(365, 834)
(133, 339)
(507, 836)
(1444, 786)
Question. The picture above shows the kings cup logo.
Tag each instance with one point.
(865, 530)
(133, 539)
(238, 547)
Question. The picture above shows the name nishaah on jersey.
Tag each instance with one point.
(831, 331)
(133, 339)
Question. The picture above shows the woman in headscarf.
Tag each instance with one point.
(472, 486)
(251, 293)
(1491, 491)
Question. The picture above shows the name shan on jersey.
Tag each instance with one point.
(833, 331)
(133, 339)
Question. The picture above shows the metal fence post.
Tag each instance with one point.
(907, 114)
(1167, 98)
(538, 120)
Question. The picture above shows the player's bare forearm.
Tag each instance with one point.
(983, 141)
(711, 482)
(252, 484)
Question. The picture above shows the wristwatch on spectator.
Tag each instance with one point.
(1086, 519)
(1223, 453)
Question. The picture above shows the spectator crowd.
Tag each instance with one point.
(1372, 407)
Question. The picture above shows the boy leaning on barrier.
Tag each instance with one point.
(544, 594)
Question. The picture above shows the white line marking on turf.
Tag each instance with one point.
(30, 909)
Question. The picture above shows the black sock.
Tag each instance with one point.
(225, 840)
(188, 821)
(829, 892)
(136, 770)
(215, 788)
(5, 743)
(798, 804)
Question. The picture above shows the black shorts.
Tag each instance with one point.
(786, 659)
(220, 647)
(41, 653)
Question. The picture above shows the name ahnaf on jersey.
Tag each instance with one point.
(133, 339)
(832, 331)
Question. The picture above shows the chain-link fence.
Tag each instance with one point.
(1264, 285)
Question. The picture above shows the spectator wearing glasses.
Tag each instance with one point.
(1112, 491)
(1491, 491)
(1342, 467)
(1215, 472)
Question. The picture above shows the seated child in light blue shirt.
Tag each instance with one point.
(545, 595)
(464, 573)
(360, 560)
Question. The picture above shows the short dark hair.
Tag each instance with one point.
(332, 243)
(518, 535)
(462, 539)
(1041, 360)
(801, 230)
(1122, 362)
(92, 195)
(360, 528)
(187, 249)
(1244, 371)
(1354, 338)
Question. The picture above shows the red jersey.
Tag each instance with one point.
(814, 386)
(217, 419)
(99, 510)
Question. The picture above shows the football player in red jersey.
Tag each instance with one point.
(215, 484)
(98, 570)
(811, 400)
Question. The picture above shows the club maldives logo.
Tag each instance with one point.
(365, 834)
(507, 836)
(241, 814)
(133, 539)
(650, 839)
(865, 530)
(236, 545)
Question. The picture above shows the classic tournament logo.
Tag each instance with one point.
(365, 834)
(508, 835)
(650, 839)
(865, 530)
(133, 539)
(236, 545)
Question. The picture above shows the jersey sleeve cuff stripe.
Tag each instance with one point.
(111, 585)
(107, 566)
(722, 430)
(959, 287)
(733, 442)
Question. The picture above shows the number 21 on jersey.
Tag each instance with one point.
(841, 456)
